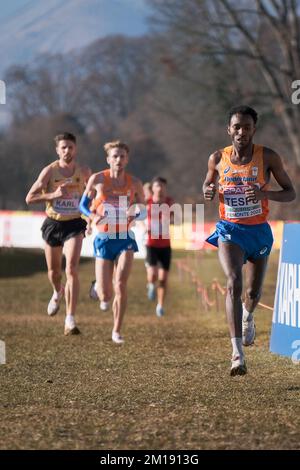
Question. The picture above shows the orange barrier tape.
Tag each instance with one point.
(210, 303)
(203, 292)
(266, 306)
(216, 285)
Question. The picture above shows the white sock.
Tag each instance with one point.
(247, 316)
(151, 284)
(70, 321)
(57, 294)
(237, 347)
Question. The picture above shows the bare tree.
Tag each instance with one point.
(258, 39)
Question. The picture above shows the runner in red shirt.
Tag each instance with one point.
(158, 259)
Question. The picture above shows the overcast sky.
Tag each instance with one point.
(8, 7)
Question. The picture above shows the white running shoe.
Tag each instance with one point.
(53, 305)
(159, 311)
(104, 306)
(151, 291)
(93, 293)
(117, 338)
(71, 331)
(238, 366)
(70, 326)
(248, 332)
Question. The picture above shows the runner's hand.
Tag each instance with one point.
(89, 229)
(254, 194)
(209, 192)
(97, 219)
(61, 191)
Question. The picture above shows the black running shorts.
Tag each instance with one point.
(56, 232)
(159, 256)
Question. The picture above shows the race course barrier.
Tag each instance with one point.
(185, 272)
(285, 335)
(21, 229)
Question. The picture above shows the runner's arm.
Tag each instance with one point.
(275, 167)
(209, 185)
(140, 201)
(88, 196)
(138, 210)
(37, 192)
(87, 173)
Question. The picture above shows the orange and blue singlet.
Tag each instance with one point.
(242, 220)
(113, 203)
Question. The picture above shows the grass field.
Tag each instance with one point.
(168, 387)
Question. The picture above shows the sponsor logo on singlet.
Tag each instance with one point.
(240, 179)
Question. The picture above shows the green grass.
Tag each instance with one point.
(168, 387)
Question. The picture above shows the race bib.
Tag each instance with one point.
(237, 205)
(67, 205)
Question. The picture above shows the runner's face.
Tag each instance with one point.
(159, 189)
(117, 159)
(241, 130)
(66, 150)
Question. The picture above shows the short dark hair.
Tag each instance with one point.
(158, 179)
(244, 110)
(64, 136)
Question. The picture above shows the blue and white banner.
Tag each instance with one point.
(285, 335)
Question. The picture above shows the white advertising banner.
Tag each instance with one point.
(23, 230)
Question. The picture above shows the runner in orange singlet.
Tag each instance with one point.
(110, 203)
(243, 171)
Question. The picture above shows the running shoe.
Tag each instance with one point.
(151, 291)
(238, 366)
(159, 311)
(248, 332)
(71, 331)
(117, 338)
(93, 293)
(53, 305)
(104, 306)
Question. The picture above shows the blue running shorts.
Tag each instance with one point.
(110, 248)
(255, 240)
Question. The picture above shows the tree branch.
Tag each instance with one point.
(254, 47)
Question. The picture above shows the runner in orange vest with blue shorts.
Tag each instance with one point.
(242, 172)
(113, 199)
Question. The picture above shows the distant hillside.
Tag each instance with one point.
(61, 25)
